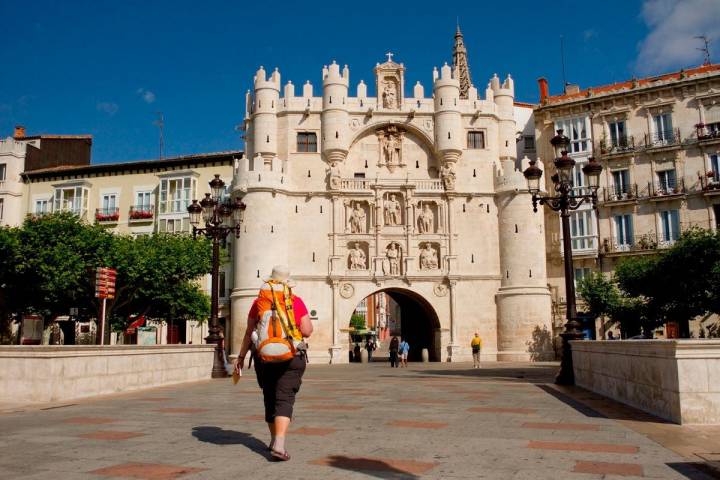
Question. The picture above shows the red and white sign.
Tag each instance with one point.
(105, 282)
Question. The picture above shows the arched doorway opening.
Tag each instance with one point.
(396, 312)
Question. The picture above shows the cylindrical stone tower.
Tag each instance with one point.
(448, 124)
(335, 135)
(264, 115)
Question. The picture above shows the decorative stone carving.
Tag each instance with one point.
(429, 258)
(347, 290)
(440, 289)
(447, 174)
(392, 211)
(426, 219)
(357, 258)
(334, 176)
(389, 94)
(390, 140)
(391, 264)
(358, 219)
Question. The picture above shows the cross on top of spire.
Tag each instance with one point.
(389, 55)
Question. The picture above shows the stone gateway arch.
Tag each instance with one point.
(414, 195)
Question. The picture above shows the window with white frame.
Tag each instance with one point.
(108, 204)
(662, 124)
(174, 225)
(670, 220)
(582, 230)
(72, 199)
(667, 181)
(623, 230)
(618, 137)
(175, 194)
(42, 206)
(621, 183)
(581, 273)
(578, 131)
(143, 200)
(579, 178)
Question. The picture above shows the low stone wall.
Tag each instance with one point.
(678, 380)
(41, 374)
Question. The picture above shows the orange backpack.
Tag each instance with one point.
(277, 333)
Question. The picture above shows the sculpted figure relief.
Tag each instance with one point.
(393, 212)
(447, 174)
(334, 175)
(391, 265)
(391, 149)
(389, 94)
(426, 220)
(358, 259)
(428, 258)
(358, 224)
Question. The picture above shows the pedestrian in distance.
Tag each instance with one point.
(394, 347)
(476, 346)
(370, 347)
(277, 324)
(404, 350)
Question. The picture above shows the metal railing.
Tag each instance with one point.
(662, 138)
(624, 193)
(660, 189)
(625, 143)
(107, 214)
(141, 212)
(637, 243)
(712, 183)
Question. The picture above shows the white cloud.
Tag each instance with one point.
(673, 24)
(108, 107)
(146, 95)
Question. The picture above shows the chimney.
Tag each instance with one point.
(572, 89)
(544, 91)
(19, 132)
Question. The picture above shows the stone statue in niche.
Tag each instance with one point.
(428, 258)
(447, 174)
(391, 149)
(389, 94)
(391, 264)
(358, 259)
(426, 220)
(358, 223)
(335, 177)
(393, 211)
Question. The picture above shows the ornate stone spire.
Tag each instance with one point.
(460, 63)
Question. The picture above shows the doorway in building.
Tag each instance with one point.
(396, 312)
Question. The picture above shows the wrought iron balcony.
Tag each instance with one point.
(662, 189)
(710, 183)
(622, 194)
(623, 144)
(662, 138)
(140, 213)
(107, 215)
(637, 244)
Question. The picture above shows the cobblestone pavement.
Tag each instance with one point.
(439, 421)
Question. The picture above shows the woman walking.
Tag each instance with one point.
(394, 347)
(277, 325)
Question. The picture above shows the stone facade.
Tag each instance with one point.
(422, 197)
(658, 140)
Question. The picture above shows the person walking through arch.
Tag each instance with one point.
(476, 346)
(394, 347)
(404, 351)
(278, 319)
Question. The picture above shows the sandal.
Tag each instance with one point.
(276, 456)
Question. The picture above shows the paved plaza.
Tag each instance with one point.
(438, 421)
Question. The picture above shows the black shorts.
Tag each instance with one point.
(280, 382)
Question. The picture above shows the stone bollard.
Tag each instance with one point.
(425, 355)
(363, 356)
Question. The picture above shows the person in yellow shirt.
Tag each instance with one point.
(476, 345)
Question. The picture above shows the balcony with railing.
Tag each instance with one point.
(710, 183)
(708, 133)
(666, 190)
(646, 243)
(421, 185)
(618, 195)
(141, 213)
(107, 215)
(617, 146)
(663, 138)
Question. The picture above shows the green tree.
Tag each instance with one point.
(357, 321)
(9, 260)
(600, 294)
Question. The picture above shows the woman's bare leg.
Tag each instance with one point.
(281, 428)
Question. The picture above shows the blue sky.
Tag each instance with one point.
(104, 68)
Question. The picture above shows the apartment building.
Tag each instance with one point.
(658, 140)
(50, 173)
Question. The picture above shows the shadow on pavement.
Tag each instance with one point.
(695, 470)
(526, 374)
(218, 436)
(368, 466)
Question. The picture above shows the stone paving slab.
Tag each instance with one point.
(435, 421)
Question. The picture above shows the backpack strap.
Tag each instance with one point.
(288, 324)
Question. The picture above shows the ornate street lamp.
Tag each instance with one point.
(564, 201)
(216, 213)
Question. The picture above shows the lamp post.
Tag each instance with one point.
(564, 201)
(214, 212)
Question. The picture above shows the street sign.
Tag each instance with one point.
(105, 289)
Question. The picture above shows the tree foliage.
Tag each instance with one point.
(48, 263)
